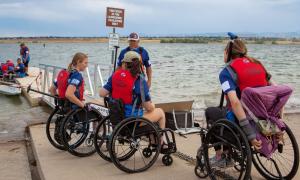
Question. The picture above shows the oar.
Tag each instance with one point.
(40, 92)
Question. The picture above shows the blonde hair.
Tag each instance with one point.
(78, 58)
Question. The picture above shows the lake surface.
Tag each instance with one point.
(180, 71)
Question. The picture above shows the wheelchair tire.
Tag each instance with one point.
(238, 149)
(101, 139)
(266, 171)
(83, 146)
(129, 133)
(167, 160)
(51, 129)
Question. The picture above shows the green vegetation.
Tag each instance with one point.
(198, 40)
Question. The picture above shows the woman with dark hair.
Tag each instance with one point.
(127, 84)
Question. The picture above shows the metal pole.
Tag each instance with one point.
(90, 81)
(116, 54)
(95, 80)
(113, 52)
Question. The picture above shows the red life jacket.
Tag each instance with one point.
(249, 74)
(4, 68)
(122, 85)
(62, 84)
(10, 63)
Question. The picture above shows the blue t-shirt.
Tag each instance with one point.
(227, 81)
(75, 79)
(25, 52)
(21, 68)
(136, 94)
(140, 50)
(229, 84)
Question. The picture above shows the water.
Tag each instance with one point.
(16, 114)
(180, 71)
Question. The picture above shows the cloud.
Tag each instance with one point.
(34, 10)
(87, 17)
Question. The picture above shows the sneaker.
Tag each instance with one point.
(221, 163)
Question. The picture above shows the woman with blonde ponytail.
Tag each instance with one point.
(75, 83)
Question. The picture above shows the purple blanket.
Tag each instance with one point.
(266, 103)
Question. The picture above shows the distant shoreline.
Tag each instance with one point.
(193, 40)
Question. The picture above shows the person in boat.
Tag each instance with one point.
(250, 73)
(10, 65)
(20, 68)
(24, 52)
(128, 85)
(134, 40)
(69, 83)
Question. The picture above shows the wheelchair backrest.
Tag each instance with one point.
(116, 110)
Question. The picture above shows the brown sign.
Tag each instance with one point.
(115, 17)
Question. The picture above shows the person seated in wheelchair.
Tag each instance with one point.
(69, 84)
(129, 85)
(240, 72)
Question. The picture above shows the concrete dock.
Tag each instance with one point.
(53, 164)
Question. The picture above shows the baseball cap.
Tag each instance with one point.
(130, 55)
(133, 37)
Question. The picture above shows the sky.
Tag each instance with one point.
(147, 17)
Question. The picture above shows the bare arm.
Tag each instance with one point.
(103, 92)
(149, 76)
(71, 96)
(236, 105)
(52, 90)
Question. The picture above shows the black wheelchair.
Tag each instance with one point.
(77, 129)
(237, 153)
(54, 121)
(133, 144)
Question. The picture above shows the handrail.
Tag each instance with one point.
(50, 72)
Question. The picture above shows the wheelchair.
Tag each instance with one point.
(133, 144)
(54, 122)
(77, 130)
(238, 155)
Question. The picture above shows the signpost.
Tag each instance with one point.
(114, 18)
(113, 40)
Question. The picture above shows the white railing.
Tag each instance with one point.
(93, 76)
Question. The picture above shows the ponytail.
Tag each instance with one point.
(78, 58)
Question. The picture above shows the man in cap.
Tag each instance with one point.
(134, 40)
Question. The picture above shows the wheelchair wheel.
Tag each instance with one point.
(53, 128)
(101, 139)
(286, 158)
(129, 140)
(78, 132)
(236, 153)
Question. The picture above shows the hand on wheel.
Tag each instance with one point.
(256, 144)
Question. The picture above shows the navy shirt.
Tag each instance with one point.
(21, 68)
(136, 94)
(25, 51)
(75, 79)
(141, 51)
(227, 81)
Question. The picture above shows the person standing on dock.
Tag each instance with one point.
(24, 52)
(134, 40)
